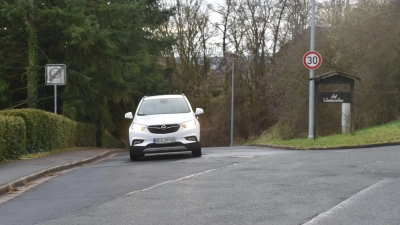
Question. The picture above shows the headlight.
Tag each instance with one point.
(189, 124)
(138, 127)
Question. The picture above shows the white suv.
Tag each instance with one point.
(164, 123)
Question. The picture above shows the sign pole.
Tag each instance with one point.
(55, 74)
(55, 99)
(312, 82)
(233, 91)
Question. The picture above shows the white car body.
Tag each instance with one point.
(164, 123)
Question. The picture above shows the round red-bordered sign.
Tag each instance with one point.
(312, 60)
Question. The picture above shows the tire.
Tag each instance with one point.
(134, 157)
(197, 152)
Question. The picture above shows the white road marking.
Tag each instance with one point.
(179, 179)
(346, 203)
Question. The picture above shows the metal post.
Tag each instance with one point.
(312, 82)
(346, 118)
(55, 99)
(233, 91)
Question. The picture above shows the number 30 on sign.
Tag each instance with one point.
(312, 60)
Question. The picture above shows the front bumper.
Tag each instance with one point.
(161, 148)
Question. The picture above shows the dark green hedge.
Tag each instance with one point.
(108, 141)
(33, 130)
(12, 137)
(47, 131)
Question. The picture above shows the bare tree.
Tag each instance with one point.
(279, 13)
(192, 30)
(225, 12)
(297, 16)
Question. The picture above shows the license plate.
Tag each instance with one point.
(164, 140)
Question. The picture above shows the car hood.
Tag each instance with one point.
(163, 119)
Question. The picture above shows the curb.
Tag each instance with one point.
(19, 182)
(329, 148)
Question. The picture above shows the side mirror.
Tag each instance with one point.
(199, 111)
(129, 115)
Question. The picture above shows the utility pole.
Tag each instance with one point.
(233, 91)
(312, 82)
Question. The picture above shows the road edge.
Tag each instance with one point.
(328, 148)
(19, 182)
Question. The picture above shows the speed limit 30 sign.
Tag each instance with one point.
(312, 60)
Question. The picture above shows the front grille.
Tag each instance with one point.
(163, 129)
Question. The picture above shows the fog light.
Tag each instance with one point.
(191, 138)
(135, 142)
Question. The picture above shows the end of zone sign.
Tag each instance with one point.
(56, 74)
(312, 60)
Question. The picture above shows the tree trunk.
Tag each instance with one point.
(32, 86)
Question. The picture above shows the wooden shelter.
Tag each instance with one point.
(334, 97)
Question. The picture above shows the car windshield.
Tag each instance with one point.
(163, 106)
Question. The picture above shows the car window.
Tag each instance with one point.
(163, 106)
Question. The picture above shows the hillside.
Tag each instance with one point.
(385, 134)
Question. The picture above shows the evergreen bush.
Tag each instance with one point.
(33, 130)
(12, 137)
(108, 141)
(47, 131)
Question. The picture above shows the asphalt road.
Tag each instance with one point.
(241, 185)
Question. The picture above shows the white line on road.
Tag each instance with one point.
(179, 179)
(346, 203)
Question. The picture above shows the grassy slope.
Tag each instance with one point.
(387, 133)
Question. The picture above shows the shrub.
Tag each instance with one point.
(33, 130)
(47, 131)
(108, 141)
(12, 137)
(81, 139)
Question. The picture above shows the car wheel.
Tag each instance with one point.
(197, 152)
(134, 157)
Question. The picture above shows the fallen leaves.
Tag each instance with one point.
(11, 189)
(48, 174)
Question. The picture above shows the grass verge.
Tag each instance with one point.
(382, 134)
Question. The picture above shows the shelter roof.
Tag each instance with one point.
(333, 74)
